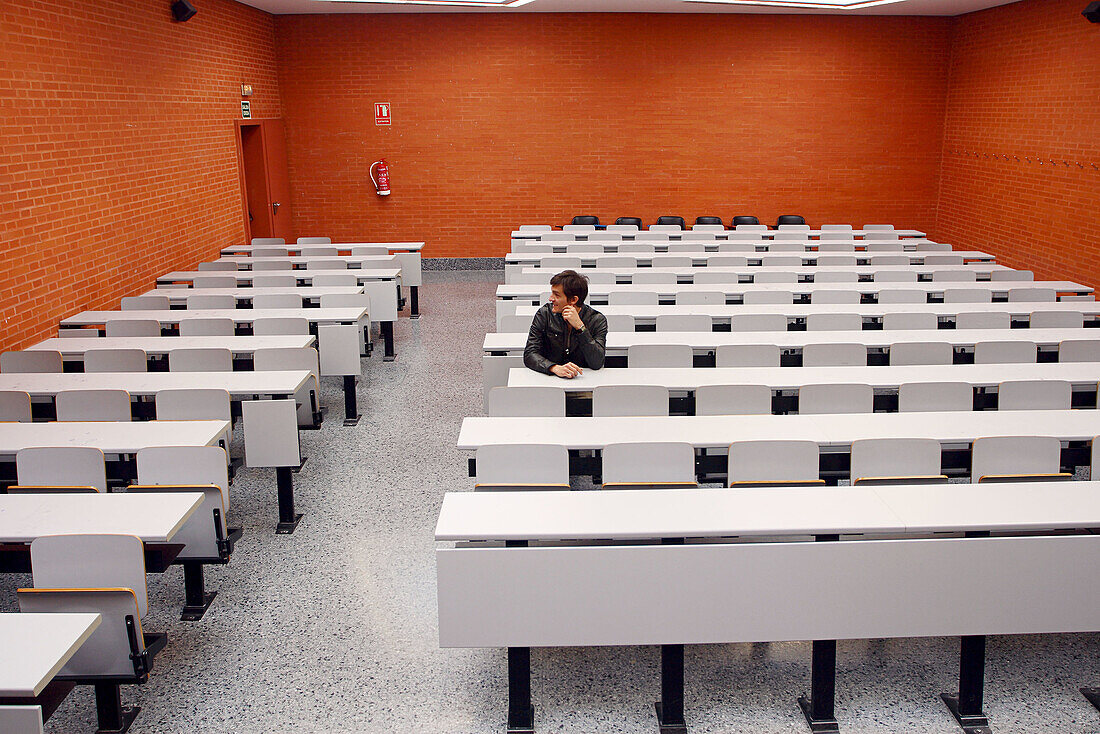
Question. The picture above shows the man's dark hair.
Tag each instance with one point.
(572, 284)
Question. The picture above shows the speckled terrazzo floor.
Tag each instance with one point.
(333, 629)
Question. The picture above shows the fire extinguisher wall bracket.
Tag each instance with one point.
(382, 183)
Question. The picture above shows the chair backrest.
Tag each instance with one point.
(834, 355)
(268, 265)
(209, 281)
(632, 298)
(773, 276)
(967, 295)
(510, 323)
(694, 242)
(834, 322)
(494, 373)
(743, 239)
(32, 360)
(896, 459)
(268, 241)
(15, 406)
(530, 466)
(1016, 295)
(314, 240)
(605, 237)
(1079, 350)
(747, 355)
(629, 400)
(767, 297)
(625, 224)
(218, 266)
(896, 321)
(61, 466)
(878, 228)
(727, 261)
(211, 301)
(733, 400)
(659, 355)
(369, 250)
(90, 561)
(327, 265)
(758, 322)
(835, 398)
(93, 405)
(671, 261)
(784, 253)
(1034, 395)
(894, 296)
(764, 463)
(946, 260)
(926, 397)
(848, 261)
(683, 322)
(561, 263)
(648, 465)
(270, 252)
(21, 719)
(1018, 275)
(115, 360)
(526, 402)
(837, 228)
(202, 532)
(535, 228)
(638, 248)
(835, 296)
(667, 224)
(151, 303)
(836, 242)
(559, 237)
(880, 247)
(585, 248)
(207, 327)
(1006, 352)
(132, 327)
(1015, 457)
(616, 261)
(983, 320)
(894, 276)
(1056, 320)
(954, 276)
(876, 260)
(650, 236)
(185, 465)
(584, 225)
(918, 353)
(710, 277)
(275, 281)
(747, 220)
(273, 326)
(276, 300)
(200, 360)
(193, 404)
(789, 220)
(643, 277)
(619, 322)
(319, 252)
(288, 358)
(107, 652)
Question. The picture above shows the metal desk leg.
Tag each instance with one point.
(288, 520)
(387, 336)
(351, 408)
(521, 714)
(197, 598)
(967, 706)
(414, 296)
(670, 709)
(819, 707)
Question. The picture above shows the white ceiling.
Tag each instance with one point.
(880, 7)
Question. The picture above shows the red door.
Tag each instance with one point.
(265, 185)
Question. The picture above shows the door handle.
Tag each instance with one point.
(275, 207)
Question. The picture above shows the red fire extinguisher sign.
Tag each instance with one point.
(381, 113)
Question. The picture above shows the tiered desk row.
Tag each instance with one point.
(114, 449)
(773, 382)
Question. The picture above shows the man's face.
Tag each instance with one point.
(558, 301)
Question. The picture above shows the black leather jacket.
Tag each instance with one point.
(552, 341)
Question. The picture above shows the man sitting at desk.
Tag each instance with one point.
(566, 335)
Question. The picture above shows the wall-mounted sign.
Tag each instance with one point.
(246, 90)
(381, 113)
(246, 109)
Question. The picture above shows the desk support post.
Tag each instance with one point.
(387, 338)
(288, 521)
(967, 706)
(670, 709)
(414, 296)
(197, 600)
(113, 717)
(351, 407)
(521, 714)
(819, 707)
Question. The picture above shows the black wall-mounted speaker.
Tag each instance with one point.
(183, 11)
(1092, 12)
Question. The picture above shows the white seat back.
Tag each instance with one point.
(834, 355)
(617, 322)
(218, 266)
(967, 295)
(211, 281)
(585, 248)
(61, 466)
(896, 459)
(267, 241)
(200, 360)
(276, 300)
(917, 353)
(954, 276)
(643, 277)
(835, 296)
(835, 398)
(522, 465)
(757, 298)
(314, 240)
(925, 397)
(512, 323)
(773, 462)
(887, 295)
(494, 373)
(1018, 275)
(636, 248)
(834, 322)
(279, 252)
(1006, 352)
(711, 277)
(1016, 295)
(34, 360)
(696, 247)
(186, 466)
(648, 465)
(947, 260)
(700, 298)
(15, 406)
(671, 261)
(21, 719)
(319, 252)
(199, 302)
(747, 355)
(116, 360)
(207, 327)
(876, 260)
(983, 320)
(90, 561)
(632, 298)
(733, 400)
(526, 402)
(758, 322)
(1034, 395)
(322, 280)
(1056, 320)
(629, 400)
(846, 261)
(133, 327)
(894, 276)
(579, 228)
(622, 228)
(153, 303)
(616, 261)
(327, 265)
(273, 326)
(895, 321)
(1079, 350)
(659, 355)
(727, 261)
(683, 322)
(1015, 456)
(268, 265)
(93, 405)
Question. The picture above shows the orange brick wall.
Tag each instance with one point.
(1021, 153)
(117, 153)
(531, 118)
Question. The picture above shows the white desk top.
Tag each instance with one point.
(343, 315)
(620, 341)
(588, 259)
(179, 296)
(825, 430)
(36, 646)
(342, 246)
(154, 517)
(599, 291)
(979, 269)
(245, 276)
(76, 347)
(523, 234)
(242, 383)
(634, 514)
(355, 262)
(791, 378)
(110, 437)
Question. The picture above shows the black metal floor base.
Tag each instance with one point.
(818, 726)
(129, 713)
(1093, 695)
(351, 421)
(971, 724)
(389, 358)
(672, 727)
(527, 726)
(414, 316)
(285, 528)
(194, 613)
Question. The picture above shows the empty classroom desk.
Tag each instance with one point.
(516, 260)
(153, 517)
(904, 233)
(74, 348)
(36, 647)
(308, 294)
(982, 271)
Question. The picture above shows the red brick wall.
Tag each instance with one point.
(117, 153)
(1021, 153)
(531, 118)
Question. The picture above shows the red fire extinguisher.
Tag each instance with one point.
(382, 183)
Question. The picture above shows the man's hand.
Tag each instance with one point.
(569, 313)
(567, 370)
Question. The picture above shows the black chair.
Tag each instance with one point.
(708, 220)
(585, 220)
(790, 219)
(744, 220)
(678, 221)
(636, 221)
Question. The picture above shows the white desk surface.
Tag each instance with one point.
(628, 514)
(36, 646)
(620, 341)
(75, 347)
(669, 290)
(154, 517)
(237, 383)
(245, 276)
(1085, 374)
(588, 259)
(638, 514)
(179, 296)
(825, 430)
(521, 234)
(723, 312)
(342, 246)
(804, 270)
(123, 437)
(342, 315)
(355, 262)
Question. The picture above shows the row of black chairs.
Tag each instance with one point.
(743, 219)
